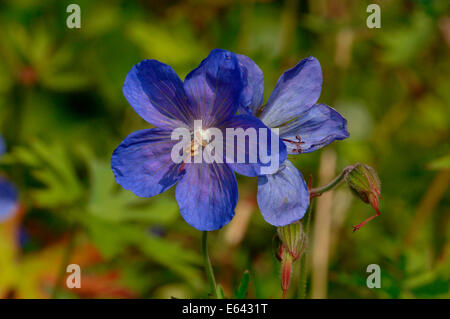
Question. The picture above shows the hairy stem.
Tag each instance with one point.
(314, 192)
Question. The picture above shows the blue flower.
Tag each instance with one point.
(8, 193)
(2, 146)
(8, 199)
(206, 193)
(303, 125)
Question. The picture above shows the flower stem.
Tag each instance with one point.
(303, 269)
(208, 266)
(314, 192)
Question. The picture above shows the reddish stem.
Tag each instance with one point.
(355, 228)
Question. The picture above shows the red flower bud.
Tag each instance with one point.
(293, 242)
(286, 270)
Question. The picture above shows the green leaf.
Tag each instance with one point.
(65, 81)
(109, 202)
(220, 292)
(113, 239)
(440, 163)
(50, 165)
(241, 292)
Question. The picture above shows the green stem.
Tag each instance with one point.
(303, 269)
(335, 182)
(314, 192)
(208, 266)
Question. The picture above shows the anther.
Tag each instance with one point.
(297, 143)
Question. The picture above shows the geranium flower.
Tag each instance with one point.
(206, 193)
(2, 146)
(8, 193)
(304, 127)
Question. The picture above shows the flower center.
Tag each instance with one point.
(201, 137)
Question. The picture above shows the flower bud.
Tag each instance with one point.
(293, 241)
(293, 238)
(364, 182)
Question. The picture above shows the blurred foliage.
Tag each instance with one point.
(62, 113)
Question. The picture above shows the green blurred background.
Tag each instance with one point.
(62, 113)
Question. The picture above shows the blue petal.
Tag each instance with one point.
(8, 199)
(142, 163)
(296, 90)
(2, 146)
(214, 87)
(252, 95)
(207, 195)
(283, 197)
(250, 167)
(156, 93)
(317, 127)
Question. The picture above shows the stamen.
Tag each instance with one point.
(297, 143)
(201, 137)
(198, 139)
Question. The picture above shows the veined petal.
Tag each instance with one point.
(8, 199)
(252, 95)
(207, 195)
(142, 163)
(214, 87)
(283, 197)
(296, 90)
(262, 149)
(317, 127)
(156, 93)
